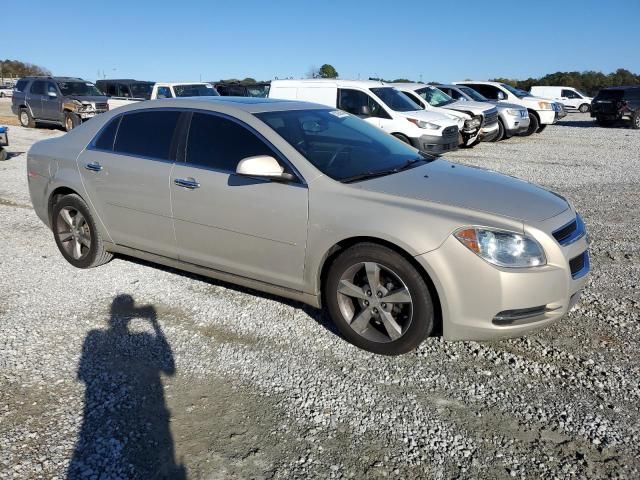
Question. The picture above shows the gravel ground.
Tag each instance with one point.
(135, 371)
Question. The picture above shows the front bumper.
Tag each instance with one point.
(548, 117)
(482, 302)
(437, 144)
(489, 132)
(515, 124)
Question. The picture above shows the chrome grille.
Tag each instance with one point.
(450, 131)
(491, 116)
(102, 106)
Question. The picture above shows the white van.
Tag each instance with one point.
(542, 111)
(379, 104)
(477, 121)
(570, 97)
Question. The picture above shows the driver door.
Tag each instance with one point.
(246, 226)
(362, 105)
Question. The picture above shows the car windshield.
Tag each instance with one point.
(83, 89)
(434, 96)
(395, 100)
(141, 90)
(516, 91)
(260, 91)
(195, 90)
(470, 92)
(341, 145)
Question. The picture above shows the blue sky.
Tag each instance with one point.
(189, 40)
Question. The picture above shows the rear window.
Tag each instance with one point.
(610, 94)
(21, 85)
(108, 135)
(147, 134)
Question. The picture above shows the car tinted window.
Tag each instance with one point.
(51, 88)
(610, 95)
(37, 87)
(148, 134)
(488, 91)
(107, 135)
(632, 94)
(164, 92)
(358, 103)
(219, 143)
(21, 85)
(569, 94)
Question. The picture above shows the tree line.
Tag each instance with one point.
(17, 69)
(588, 81)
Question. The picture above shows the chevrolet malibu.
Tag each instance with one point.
(313, 204)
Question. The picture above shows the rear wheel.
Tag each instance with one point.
(541, 128)
(71, 121)
(534, 124)
(76, 235)
(500, 135)
(26, 120)
(584, 108)
(378, 300)
(635, 120)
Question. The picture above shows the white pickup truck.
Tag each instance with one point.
(125, 92)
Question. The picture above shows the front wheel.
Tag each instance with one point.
(584, 108)
(71, 121)
(500, 135)
(534, 124)
(76, 235)
(541, 128)
(378, 300)
(635, 121)
(402, 137)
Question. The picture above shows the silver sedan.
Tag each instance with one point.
(316, 205)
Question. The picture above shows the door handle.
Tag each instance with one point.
(189, 183)
(93, 166)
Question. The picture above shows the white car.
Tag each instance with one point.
(167, 90)
(542, 111)
(6, 91)
(379, 104)
(570, 97)
(477, 121)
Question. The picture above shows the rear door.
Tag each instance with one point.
(34, 97)
(570, 98)
(126, 173)
(246, 226)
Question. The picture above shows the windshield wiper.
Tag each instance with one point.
(368, 175)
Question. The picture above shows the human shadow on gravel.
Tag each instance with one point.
(125, 430)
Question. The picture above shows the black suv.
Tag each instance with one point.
(126, 88)
(65, 101)
(237, 89)
(617, 103)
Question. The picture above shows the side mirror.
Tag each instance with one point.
(263, 166)
(52, 94)
(501, 95)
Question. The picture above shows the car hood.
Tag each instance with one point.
(474, 188)
(506, 105)
(87, 98)
(470, 106)
(430, 116)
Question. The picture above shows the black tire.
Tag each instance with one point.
(25, 118)
(635, 120)
(534, 124)
(94, 254)
(501, 130)
(402, 137)
(71, 121)
(541, 128)
(3, 154)
(416, 326)
(1, 94)
(584, 108)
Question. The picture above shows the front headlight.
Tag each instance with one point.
(423, 124)
(513, 111)
(475, 122)
(502, 248)
(545, 106)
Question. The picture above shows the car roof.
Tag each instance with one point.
(622, 87)
(123, 80)
(55, 79)
(335, 81)
(245, 104)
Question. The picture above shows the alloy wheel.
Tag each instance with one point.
(24, 118)
(73, 232)
(375, 302)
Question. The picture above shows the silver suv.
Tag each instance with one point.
(64, 101)
(316, 205)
